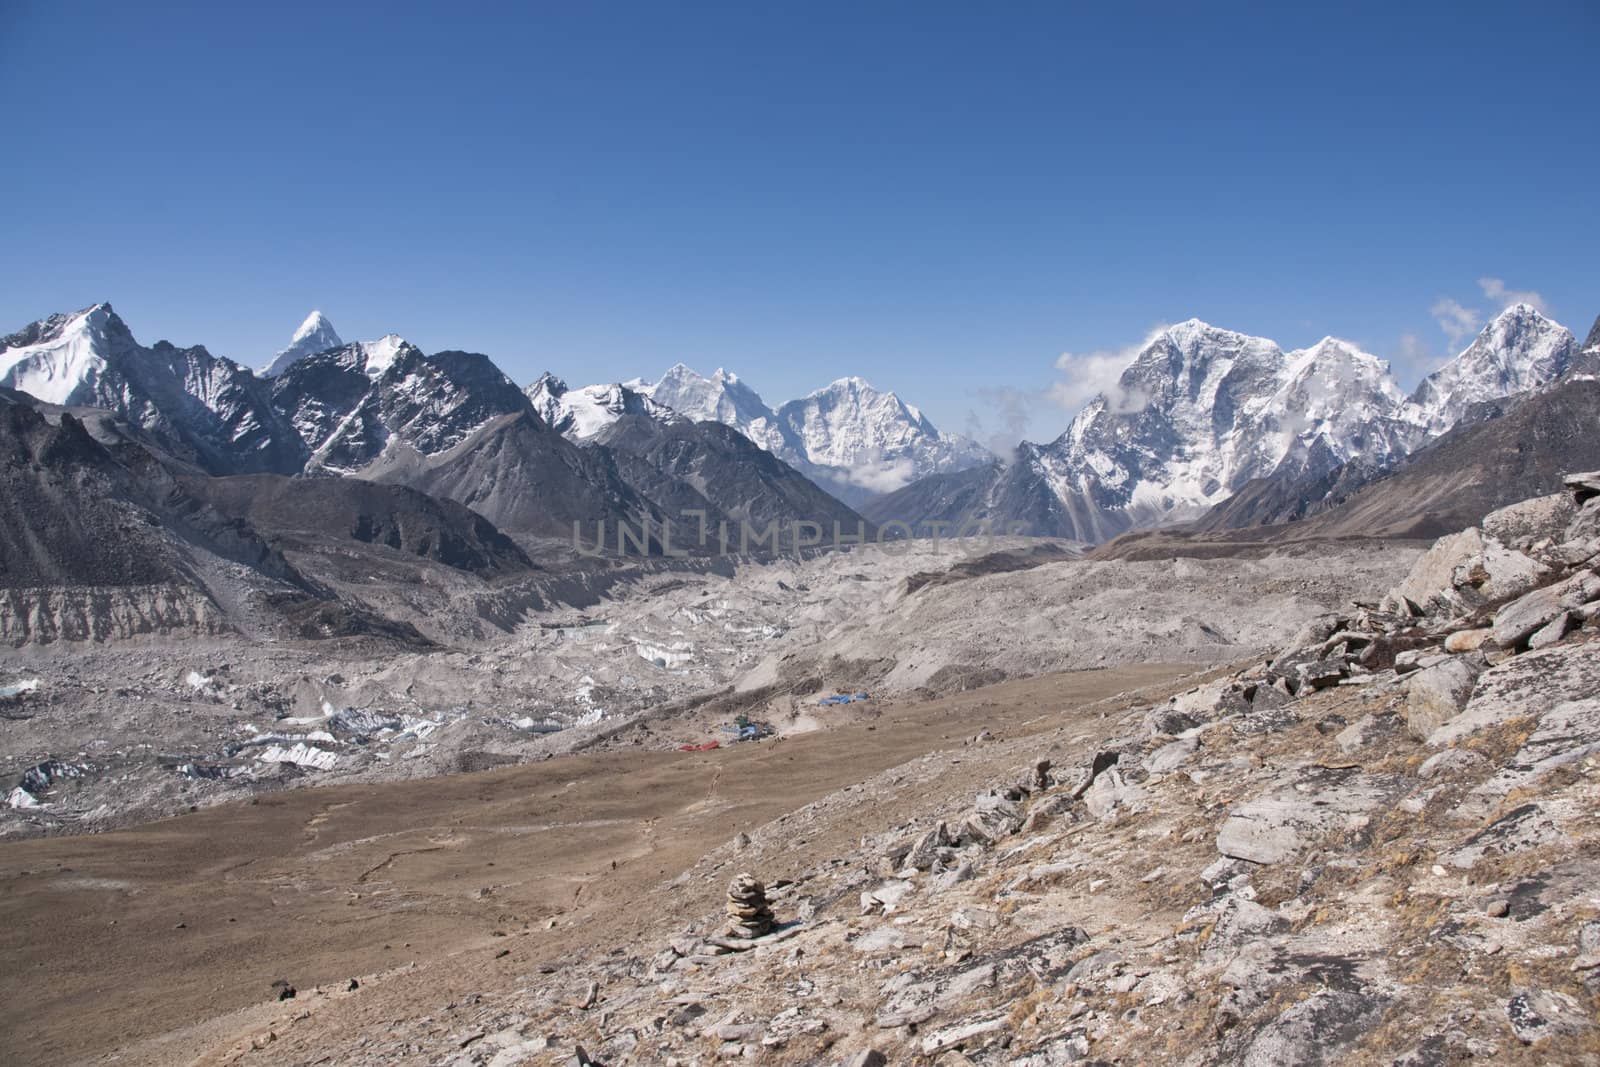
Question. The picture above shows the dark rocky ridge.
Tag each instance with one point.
(712, 467)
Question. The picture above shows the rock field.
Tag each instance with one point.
(129, 730)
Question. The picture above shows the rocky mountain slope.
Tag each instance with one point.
(1202, 412)
(1451, 483)
(448, 423)
(197, 405)
(105, 537)
(352, 405)
(739, 484)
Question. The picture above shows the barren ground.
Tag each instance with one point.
(160, 943)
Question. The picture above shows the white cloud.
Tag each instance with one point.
(882, 476)
(1416, 358)
(1495, 289)
(1099, 373)
(1457, 321)
(1011, 411)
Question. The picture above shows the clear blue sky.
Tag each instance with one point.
(940, 197)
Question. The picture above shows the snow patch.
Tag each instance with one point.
(302, 755)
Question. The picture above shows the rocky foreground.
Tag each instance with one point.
(1376, 847)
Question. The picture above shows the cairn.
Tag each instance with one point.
(749, 917)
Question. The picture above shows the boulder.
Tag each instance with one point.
(1498, 573)
(1523, 686)
(1552, 631)
(1525, 616)
(1530, 520)
(1467, 640)
(1416, 659)
(1430, 585)
(1583, 485)
(1585, 525)
(1438, 694)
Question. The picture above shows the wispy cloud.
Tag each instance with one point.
(1416, 358)
(1009, 411)
(1495, 289)
(1456, 320)
(1099, 373)
(1459, 322)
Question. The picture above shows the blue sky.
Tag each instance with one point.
(943, 198)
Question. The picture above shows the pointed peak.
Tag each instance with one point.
(1331, 344)
(550, 383)
(315, 334)
(850, 383)
(1521, 310)
(315, 323)
(1193, 326)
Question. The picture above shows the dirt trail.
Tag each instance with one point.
(113, 940)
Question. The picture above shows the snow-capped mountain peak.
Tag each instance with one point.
(720, 398)
(580, 414)
(874, 441)
(316, 334)
(1201, 410)
(62, 358)
(1520, 349)
(206, 408)
(381, 354)
(848, 436)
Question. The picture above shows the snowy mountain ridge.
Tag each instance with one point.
(1520, 350)
(1197, 413)
(851, 438)
(580, 414)
(449, 424)
(1202, 410)
(205, 408)
(353, 404)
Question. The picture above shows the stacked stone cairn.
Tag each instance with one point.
(749, 917)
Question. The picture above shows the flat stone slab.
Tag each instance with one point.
(1527, 685)
(1299, 811)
